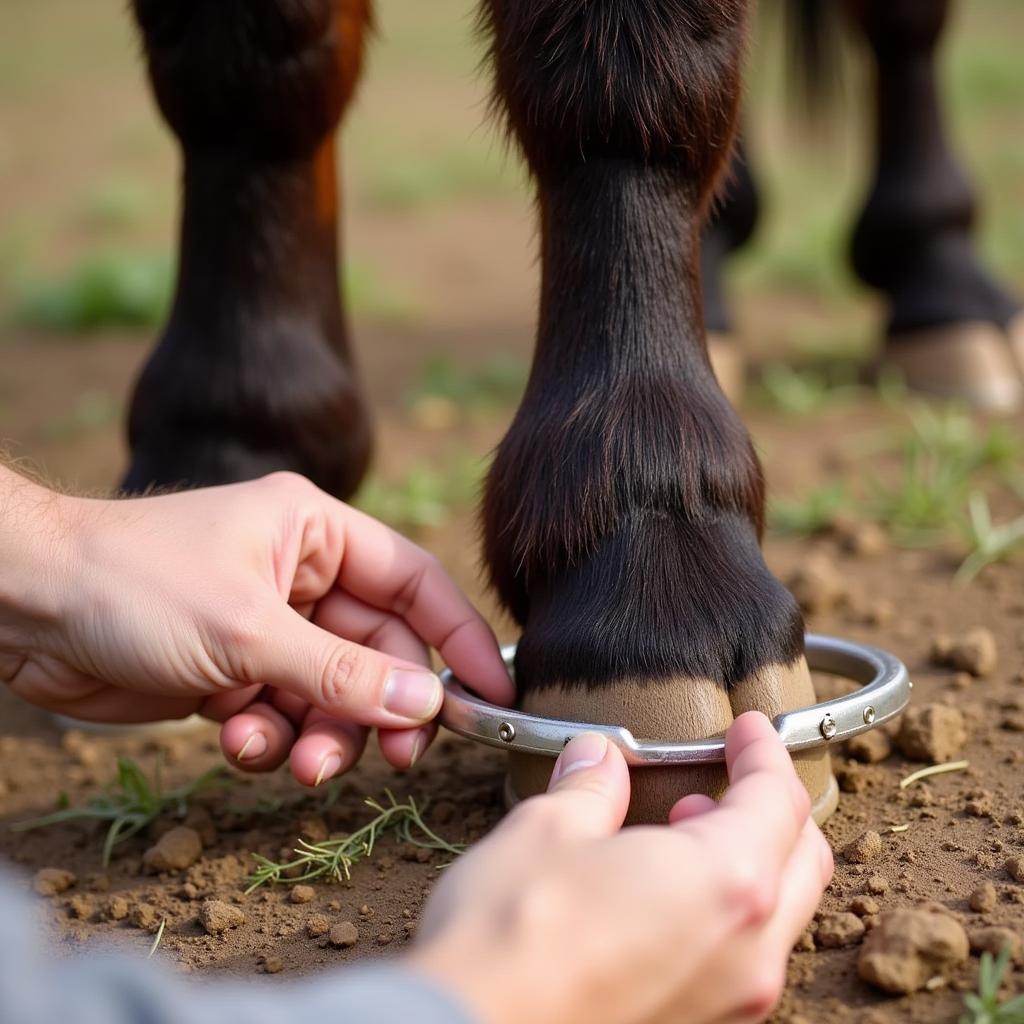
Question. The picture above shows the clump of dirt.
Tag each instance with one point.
(909, 948)
(867, 846)
(51, 881)
(817, 585)
(974, 651)
(934, 732)
(216, 916)
(175, 850)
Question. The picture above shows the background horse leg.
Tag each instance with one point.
(729, 225)
(623, 512)
(253, 372)
(948, 319)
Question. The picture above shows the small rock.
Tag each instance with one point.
(869, 747)
(805, 944)
(271, 964)
(216, 916)
(910, 947)
(51, 881)
(302, 894)
(1015, 868)
(867, 846)
(312, 829)
(317, 925)
(175, 850)
(983, 899)
(343, 935)
(817, 585)
(995, 940)
(864, 539)
(864, 906)
(837, 930)
(877, 885)
(145, 915)
(932, 732)
(974, 651)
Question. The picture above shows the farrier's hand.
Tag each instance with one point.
(559, 917)
(289, 616)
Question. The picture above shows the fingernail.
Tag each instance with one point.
(417, 748)
(329, 767)
(411, 694)
(254, 746)
(584, 751)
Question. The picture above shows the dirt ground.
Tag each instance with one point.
(453, 275)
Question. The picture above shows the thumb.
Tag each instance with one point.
(342, 678)
(590, 787)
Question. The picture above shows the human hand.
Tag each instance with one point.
(559, 917)
(292, 618)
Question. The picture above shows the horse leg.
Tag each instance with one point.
(623, 512)
(948, 320)
(253, 372)
(730, 223)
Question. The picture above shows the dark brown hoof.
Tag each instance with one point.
(677, 710)
(969, 361)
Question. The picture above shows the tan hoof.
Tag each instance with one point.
(969, 361)
(673, 710)
(728, 363)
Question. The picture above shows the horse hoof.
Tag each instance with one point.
(728, 363)
(674, 710)
(969, 361)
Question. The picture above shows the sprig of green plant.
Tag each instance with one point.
(802, 392)
(815, 512)
(988, 543)
(336, 857)
(130, 804)
(983, 1006)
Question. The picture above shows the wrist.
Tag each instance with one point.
(37, 543)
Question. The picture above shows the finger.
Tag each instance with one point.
(762, 780)
(402, 748)
(347, 616)
(257, 739)
(588, 794)
(325, 749)
(221, 706)
(690, 807)
(293, 707)
(382, 568)
(341, 678)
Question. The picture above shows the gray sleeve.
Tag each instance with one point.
(110, 988)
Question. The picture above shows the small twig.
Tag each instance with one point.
(335, 857)
(934, 769)
(156, 940)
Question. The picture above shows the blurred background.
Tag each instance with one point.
(440, 270)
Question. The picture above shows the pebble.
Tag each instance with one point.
(877, 885)
(302, 894)
(175, 850)
(116, 908)
(974, 651)
(343, 935)
(910, 947)
(317, 925)
(866, 847)
(271, 964)
(216, 916)
(1015, 868)
(864, 906)
(144, 915)
(932, 732)
(983, 899)
(837, 930)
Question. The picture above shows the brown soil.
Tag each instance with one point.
(965, 830)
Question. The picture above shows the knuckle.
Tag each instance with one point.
(749, 891)
(343, 675)
(762, 992)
